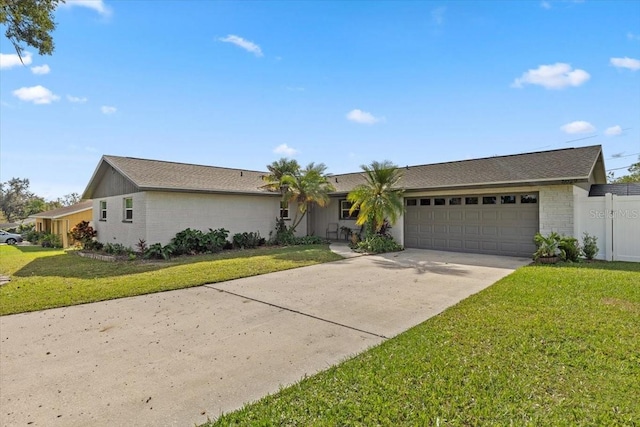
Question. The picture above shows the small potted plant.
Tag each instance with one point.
(547, 252)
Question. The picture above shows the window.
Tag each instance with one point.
(489, 200)
(103, 210)
(507, 200)
(345, 206)
(128, 209)
(470, 200)
(529, 198)
(439, 201)
(284, 209)
(425, 202)
(412, 202)
(455, 201)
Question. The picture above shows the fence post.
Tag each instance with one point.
(608, 227)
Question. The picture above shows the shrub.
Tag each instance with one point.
(309, 240)
(193, 242)
(157, 251)
(377, 244)
(569, 249)
(34, 237)
(142, 246)
(117, 249)
(247, 240)
(547, 246)
(589, 246)
(83, 233)
(214, 240)
(50, 240)
(283, 236)
(187, 241)
(94, 245)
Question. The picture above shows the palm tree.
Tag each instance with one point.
(380, 198)
(309, 186)
(278, 170)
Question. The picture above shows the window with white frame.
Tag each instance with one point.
(345, 207)
(128, 209)
(103, 210)
(284, 209)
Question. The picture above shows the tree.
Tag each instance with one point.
(634, 174)
(305, 188)
(278, 170)
(66, 200)
(380, 199)
(29, 22)
(15, 198)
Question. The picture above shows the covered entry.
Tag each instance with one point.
(500, 224)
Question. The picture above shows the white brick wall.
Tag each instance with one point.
(114, 229)
(169, 213)
(556, 209)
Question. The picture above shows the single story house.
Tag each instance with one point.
(62, 220)
(491, 205)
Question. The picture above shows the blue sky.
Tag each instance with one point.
(241, 84)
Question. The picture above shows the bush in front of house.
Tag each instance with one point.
(247, 240)
(191, 242)
(83, 233)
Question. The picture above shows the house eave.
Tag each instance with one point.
(489, 185)
(210, 191)
(60, 216)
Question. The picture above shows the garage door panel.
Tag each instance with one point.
(472, 230)
(472, 215)
(505, 229)
(456, 215)
(455, 229)
(440, 215)
(489, 231)
(509, 215)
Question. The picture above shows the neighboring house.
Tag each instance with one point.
(492, 205)
(138, 199)
(62, 220)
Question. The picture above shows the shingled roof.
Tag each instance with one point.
(66, 210)
(544, 167)
(146, 175)
(566, 165)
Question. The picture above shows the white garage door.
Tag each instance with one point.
(500, 224)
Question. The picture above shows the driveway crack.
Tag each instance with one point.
(299, 312)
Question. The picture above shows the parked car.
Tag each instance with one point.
(9, 238)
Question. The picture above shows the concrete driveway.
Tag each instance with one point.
(177, 358)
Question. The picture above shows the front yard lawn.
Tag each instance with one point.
(47, 278)
(547, 345)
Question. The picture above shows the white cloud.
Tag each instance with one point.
(630, 63)
(41, 69)
(633, 37)
(578, 126)
(363, 117)
(76, 99)
(285, 149)
(9, 60)
(437, 15)
(36, 94)
(97, 5)
(545, 5)
(108, 110)
(613, 130)
(244, 44)
(556, 76)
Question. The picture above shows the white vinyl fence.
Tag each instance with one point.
(614, 220)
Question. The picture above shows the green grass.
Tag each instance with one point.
(547, 345)
(47, 278)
